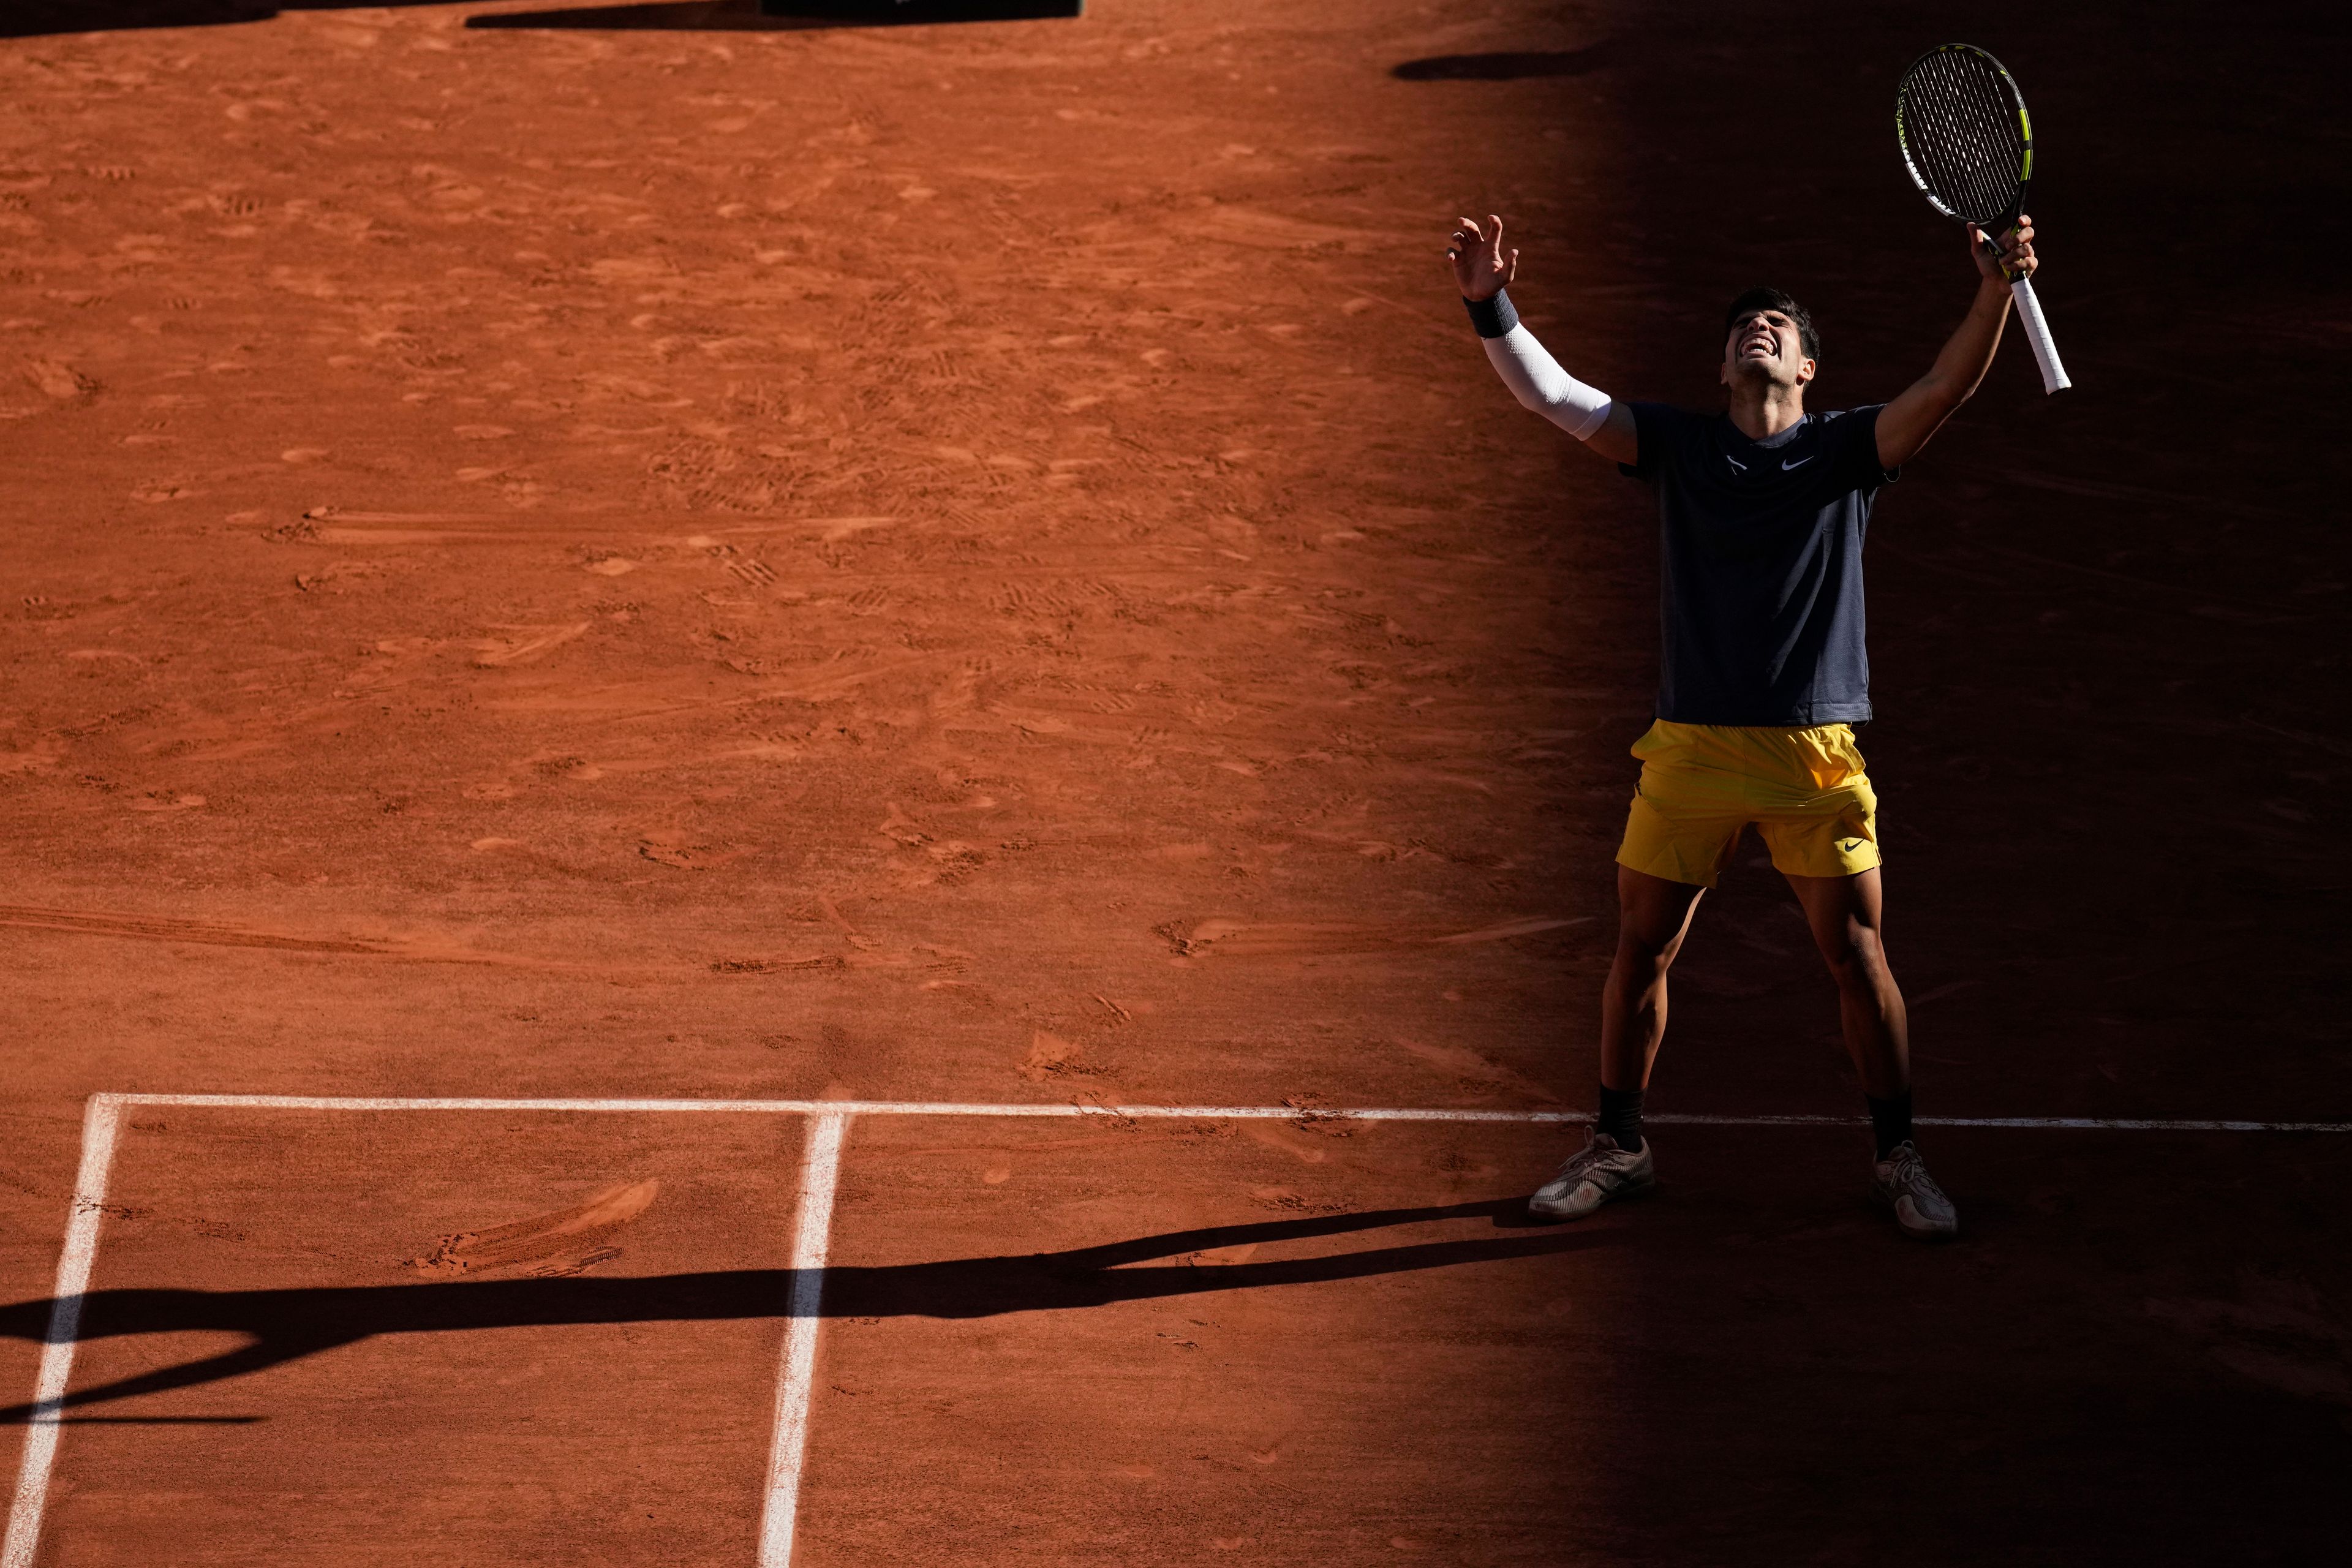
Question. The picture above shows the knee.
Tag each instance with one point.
(1645, 958)
(1857, 959)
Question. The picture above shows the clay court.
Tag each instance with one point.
(787, 792)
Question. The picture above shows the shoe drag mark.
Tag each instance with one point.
(141, 927)
(564, 1243)
(1304, 939)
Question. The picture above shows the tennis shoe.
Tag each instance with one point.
(1901, 1183)
(1597, 1174)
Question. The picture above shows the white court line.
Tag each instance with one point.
(1187, 1113)
(819, 1172)
(811, 1239)
(65, 1324)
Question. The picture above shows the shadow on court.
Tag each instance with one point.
(291, 1324)
(1507, 67)
(42, 19)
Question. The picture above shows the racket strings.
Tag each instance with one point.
(1965, 156)
(1968, 158)
(1967, 144)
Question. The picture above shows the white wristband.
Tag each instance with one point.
(1536, 379)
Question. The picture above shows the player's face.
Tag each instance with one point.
(1766, 344)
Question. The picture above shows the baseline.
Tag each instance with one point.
(1185, 1113)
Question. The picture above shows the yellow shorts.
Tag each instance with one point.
(1701, 784)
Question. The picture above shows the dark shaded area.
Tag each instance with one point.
(2108, 636)
(37, 18)
(2108, 657)
(775, 16)
(655, 17)
(906, 11)
(288, 1325)
(2113, 725)
(1507, 67)
(2136, 1354)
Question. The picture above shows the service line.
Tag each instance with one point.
(811, 1238)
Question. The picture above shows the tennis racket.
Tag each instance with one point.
(1964, 134)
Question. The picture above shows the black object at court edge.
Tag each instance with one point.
(1961, 126)
(913, 11)
(1621, 1117)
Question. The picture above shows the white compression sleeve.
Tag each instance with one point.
(1536, 379)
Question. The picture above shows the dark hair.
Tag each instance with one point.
(1773, 299)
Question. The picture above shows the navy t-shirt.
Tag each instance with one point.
(1760, 564)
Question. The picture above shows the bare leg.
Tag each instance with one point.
(1844, 914)
(1655, 915)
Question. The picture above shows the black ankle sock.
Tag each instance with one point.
(1890, 1119)
(1621, 1117)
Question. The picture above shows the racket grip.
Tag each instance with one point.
(2037, 337)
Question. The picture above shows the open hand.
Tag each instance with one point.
(1480, 266)
(2016, 261)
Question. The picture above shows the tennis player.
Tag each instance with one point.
(1761, 680)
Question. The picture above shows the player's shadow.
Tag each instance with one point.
(777, 15)
(281, 1326)
(1505, 67)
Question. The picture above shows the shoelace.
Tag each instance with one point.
(1583, 1160)
(1911, 1173)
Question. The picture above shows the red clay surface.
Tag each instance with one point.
(370, 1426)
(695, 557)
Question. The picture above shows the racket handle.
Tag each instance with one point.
(2037, 337)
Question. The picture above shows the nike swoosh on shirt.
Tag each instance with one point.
(1785, 464)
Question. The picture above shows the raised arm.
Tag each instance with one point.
(1905, 424)
(1481, 269)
